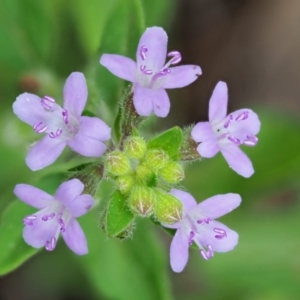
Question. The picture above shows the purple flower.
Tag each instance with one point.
(64, 126)
(56, 215)
(198, 225)
(150, 74)
(226, 133)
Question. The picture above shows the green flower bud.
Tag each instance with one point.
(142, 201)
(135, 147)
(172, 172)
(168, 209)
(125, 183)
(117, 163)
(156, 159)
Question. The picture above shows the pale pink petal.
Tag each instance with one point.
(74, 238)
(68, 191)
(44, 152)
(161, 102)
(155, 40)
(218, 205)
(32, 195)
(28, 108)
(240, 128)
(218, 102)
(186, 199)
(142, 100)
(208, 237)
(202, 132)
(86, 146)
(81, 205)
(41, 231)
(179, 251)
(120, 66)
(208, 148)
(94, 128)
(237, 160)
(75, 93)
(181, 76)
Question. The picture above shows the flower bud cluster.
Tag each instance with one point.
(145, 176)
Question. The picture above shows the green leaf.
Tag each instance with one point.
(169, 141)
(133, 269)
(118, 217)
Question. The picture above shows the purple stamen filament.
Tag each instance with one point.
(39, 128)
(143, 51)
(191, 237)
(176, 57)
(62, 225)
(234, 140)
(230, 117)
(45, 102)
(251, 140)
(28, 220)
(65, 116)
(204, 221)
(50, 245)
(144, 71)
(221, 233)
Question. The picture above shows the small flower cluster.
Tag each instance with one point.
(146, 173)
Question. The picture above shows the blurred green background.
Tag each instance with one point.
(252, 45)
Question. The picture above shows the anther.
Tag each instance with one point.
(48, 217)
(39, 128)
(242, 116)
(143, 51)
(207, 254)
(65, 116)
(50, 245)
(55, 135)
(226, 124)
(176, 57)
(221, 233)
(204, 221)
(251, 140)
(46, 101)
(62, 225)
(191, 237)
(234, 140)
(144, 71)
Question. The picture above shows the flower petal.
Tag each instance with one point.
(181, 76)
(28, 108)
(241, 129)
(208, 148)
(179, 251)
(237, 160)
(75, 93)
(202, 132)
(41, 231)
(187, 200)
(74, 238)
(81, 205)
(86, 146)
(142, 100)
(161, 103)
(68, 191)
(44, 153)
(119, 65)
(218, 102)
(207, 237)
(32, 195)
(219, 205)
(94, 128)
(155, 40)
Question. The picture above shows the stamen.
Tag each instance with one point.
(28, 220)
(222, 233)
(243, 116)
(48, 217)
(251, 140)
(62, 225)
(176, 57)
(65, 116)
(209, 254)
(143, 51)
(50, 245)
(226, 124)
(38, 128)
(45, 102)
(234, 140)
(191, 237)
(204, 221)
(55, 135)
(144, 71)
(32, 217)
